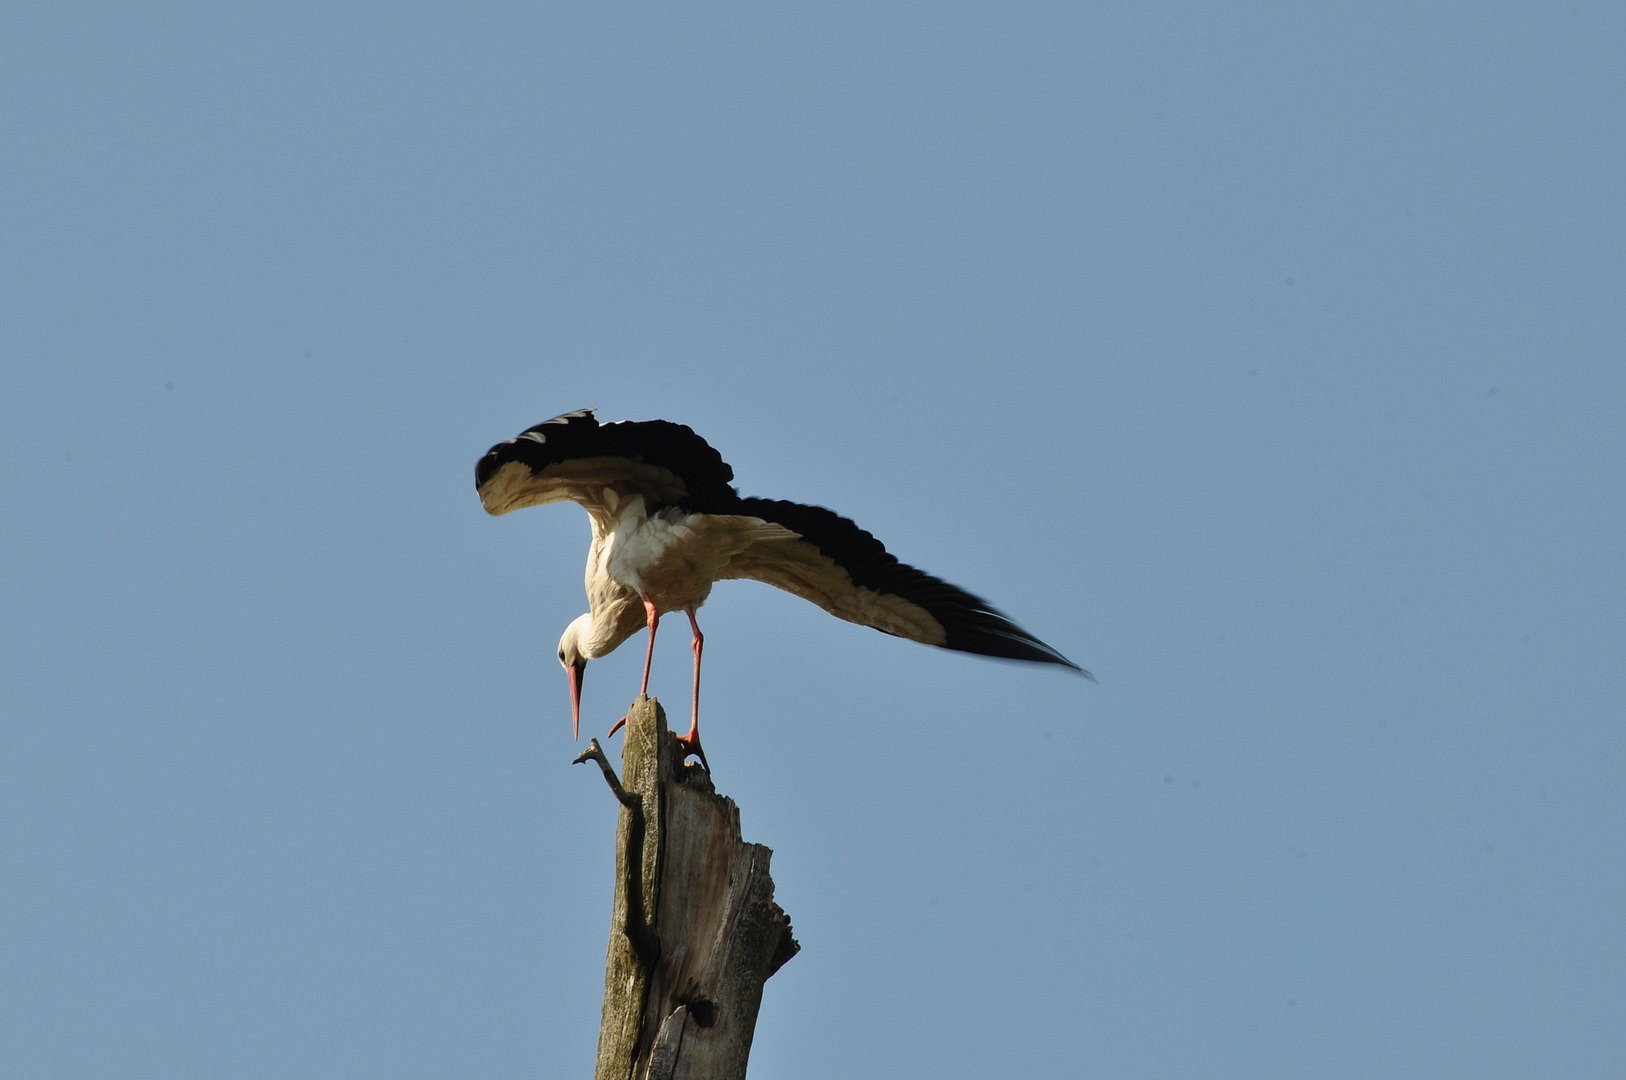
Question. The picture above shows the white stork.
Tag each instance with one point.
(667, 524)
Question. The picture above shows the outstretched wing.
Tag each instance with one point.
(850, 574)
(574, 457)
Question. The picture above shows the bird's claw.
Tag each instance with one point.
(689, 745)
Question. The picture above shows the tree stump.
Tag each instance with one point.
(694, 930)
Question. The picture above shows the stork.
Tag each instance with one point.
(667, 524)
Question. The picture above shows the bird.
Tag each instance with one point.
(668, 523)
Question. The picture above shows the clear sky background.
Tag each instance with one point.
(1267, 361)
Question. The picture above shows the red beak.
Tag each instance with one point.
(575, 671)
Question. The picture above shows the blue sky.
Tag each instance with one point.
(1266, 361)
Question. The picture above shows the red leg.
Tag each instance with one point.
(691, 741)
(697, 645)
(653, 618)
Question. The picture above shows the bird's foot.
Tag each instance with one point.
(690, 745)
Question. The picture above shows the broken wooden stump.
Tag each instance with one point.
(694, 929)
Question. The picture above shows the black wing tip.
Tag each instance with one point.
(1083, 673)
(1066, 663)
(1061, 661)
(970, 624)
(1000, 642)
(1041, 656)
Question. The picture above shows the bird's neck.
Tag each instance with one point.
(616, 615)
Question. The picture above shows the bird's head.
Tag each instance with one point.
(575, 664)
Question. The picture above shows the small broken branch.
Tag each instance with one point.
(595, 752)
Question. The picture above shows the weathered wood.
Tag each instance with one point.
(694, 929)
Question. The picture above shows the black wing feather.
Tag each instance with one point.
(706, 478)
(969, 622)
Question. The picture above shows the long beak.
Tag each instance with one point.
(576, 671)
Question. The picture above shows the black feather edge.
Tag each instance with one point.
(706, 477)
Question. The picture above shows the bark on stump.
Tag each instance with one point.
(694, 931)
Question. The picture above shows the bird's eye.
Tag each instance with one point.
(561, 656)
